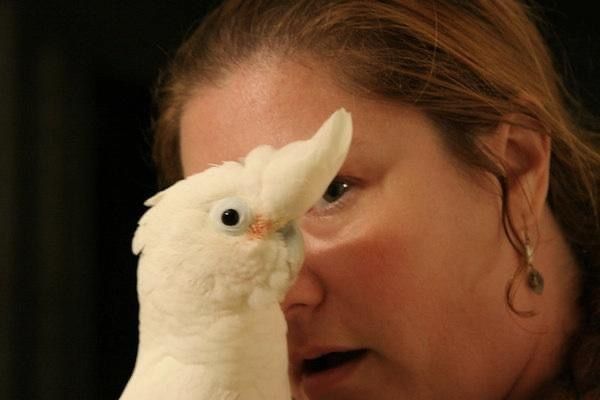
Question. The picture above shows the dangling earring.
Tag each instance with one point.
(535, 280)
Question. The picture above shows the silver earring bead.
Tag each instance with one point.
(535, 280)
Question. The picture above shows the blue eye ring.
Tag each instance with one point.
(231, 215)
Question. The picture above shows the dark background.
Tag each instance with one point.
(75, 84)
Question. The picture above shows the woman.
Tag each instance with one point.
(456, 255)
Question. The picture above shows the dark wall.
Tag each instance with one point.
(75, 82)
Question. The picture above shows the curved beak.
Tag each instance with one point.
(295, 245)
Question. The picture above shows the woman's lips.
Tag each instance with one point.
(320, 373)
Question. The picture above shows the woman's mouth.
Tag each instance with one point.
(330, 361)
(322, 373)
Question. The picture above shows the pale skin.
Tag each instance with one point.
(411, 262)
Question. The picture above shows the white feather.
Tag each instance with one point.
(210, 326)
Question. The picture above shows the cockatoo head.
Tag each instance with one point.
(226, 237)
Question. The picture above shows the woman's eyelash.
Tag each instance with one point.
(335, 197)
(336, 190)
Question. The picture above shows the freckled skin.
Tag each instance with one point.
(410, 263)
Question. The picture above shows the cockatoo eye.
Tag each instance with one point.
(231, 215)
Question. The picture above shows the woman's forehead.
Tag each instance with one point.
(275, 105)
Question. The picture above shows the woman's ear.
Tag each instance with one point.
(524, 150)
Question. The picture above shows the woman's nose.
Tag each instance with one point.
(307, 291)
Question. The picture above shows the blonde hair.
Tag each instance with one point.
(466, 64)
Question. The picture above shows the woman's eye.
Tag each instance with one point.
(338, 196)
(335, 191)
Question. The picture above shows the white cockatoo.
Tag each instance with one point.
(218, 251)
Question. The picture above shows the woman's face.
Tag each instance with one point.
(406, 259)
